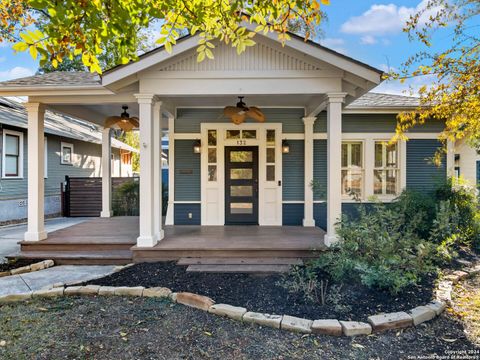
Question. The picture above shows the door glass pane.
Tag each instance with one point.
(270, 137)
(270, 155)
(270, 172)
(378, 154)
(241, 208)
(212, 155)
(241, 190)
(344, 155)
(241, 156)
(212, 137)
(249, 134)
(11, 144)
(233, 134)
(11, 165)
(392, 155)
(238, 174)
(212, 172)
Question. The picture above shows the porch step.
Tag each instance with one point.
(239, 261)
(246, 268)
(78, 244)
(110, 257)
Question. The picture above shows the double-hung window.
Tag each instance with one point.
(12, 154)
(386, 172)
(66, 156)
(352, 168)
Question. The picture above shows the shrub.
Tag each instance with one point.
(126, 199)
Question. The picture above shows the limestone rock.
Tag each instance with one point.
(437, 306)
(37, 266)
(327, 327)
(129, 291)
(4, 273)
(106, 291)
(263, 319)
(389, 321)
(48, 263)
(72, 290)
(230, 311)
(53, 292)
(296, 324)
(161, 292)
(197, 301)
(20, 270)
(89, 290)
(15, 297)
(354, 328)
(420, 314)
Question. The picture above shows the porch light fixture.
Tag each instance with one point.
(197, 147)
(285, 147)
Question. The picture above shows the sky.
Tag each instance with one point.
(366, 30)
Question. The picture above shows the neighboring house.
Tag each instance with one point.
(322, 127)
(467, 163)
(71, 148)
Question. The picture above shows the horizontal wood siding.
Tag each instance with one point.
(320, 168)
(372, 123)
(293, 172)
(422, 175)
(187, 171)
(189, 120)
(181, 211)
(320, 215)
(87, 163)
(292, 214)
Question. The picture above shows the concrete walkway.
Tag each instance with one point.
(10, 235)
(67, 274)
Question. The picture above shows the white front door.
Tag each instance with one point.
(267, 138)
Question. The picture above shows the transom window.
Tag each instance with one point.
(240, 134)
(386, 169)
(352, 168)
(12, 154)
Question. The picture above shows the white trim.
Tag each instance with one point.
(169, 219)
(186, 202)
(66, 145)
(20, 153)
(213, 192)
(45, 167)
(186, 136)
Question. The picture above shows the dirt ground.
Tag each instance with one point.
(140, 328)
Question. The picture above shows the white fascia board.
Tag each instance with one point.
(53, 90)
(148, 61)
(378, 110)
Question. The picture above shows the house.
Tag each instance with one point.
(71, 148)
(321, 127)
(467, 163)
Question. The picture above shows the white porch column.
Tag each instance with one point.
(36, 157)
(157, 171)
(450, 161)
(334, 164)
(147, 236)
(106, 173)
(308, 219)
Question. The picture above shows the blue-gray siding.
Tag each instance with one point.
(293, 172)
(422, 174)
(292, 214)
(187, 171)
(189, 120)
(320, 169)
(88, 165)
(181, 214)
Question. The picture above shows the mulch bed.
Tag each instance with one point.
(17, 263)
(263, 294)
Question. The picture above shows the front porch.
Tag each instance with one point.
(112, 241)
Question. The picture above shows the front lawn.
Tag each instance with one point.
(141, 328)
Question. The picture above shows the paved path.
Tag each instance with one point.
(12, 234)
(67, 274)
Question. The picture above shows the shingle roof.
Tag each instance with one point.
(13, 113)
(57, 78)
(378, 100)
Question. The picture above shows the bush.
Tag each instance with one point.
(392, 246)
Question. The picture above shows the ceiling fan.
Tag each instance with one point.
(123, 122)
(240, 112)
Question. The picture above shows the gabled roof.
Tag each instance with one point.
(373, 100)
(13, 113)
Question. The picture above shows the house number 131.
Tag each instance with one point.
(241, 142)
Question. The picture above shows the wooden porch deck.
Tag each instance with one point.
(113, 240)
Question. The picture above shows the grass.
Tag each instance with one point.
(466, 299)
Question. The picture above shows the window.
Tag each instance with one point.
(352, 168)
(270, 173)
(212, 155)
(385, 173)
(12, 154)
(66, 154)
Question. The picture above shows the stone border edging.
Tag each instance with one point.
(45, 264)
(335, 327)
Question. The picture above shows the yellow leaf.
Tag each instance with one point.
(168, 47)
(33, 52)
(326, 2)
(21, 46)
(209, 54)
(55, 63)
(201, 56)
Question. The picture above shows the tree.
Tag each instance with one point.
(132, 138)
(84, 27)
(454, 94)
